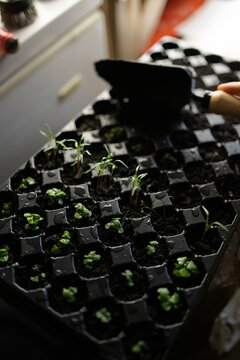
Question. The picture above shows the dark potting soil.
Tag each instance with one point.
(72, 176)
(204, 70)
(140, 249)
(155, 181)
(168, 159)
(99, 268)
(224, 133)
(199, 173)
(234, 162)
(20, 221)
(203, 243)
(153, 341)
(31, 277)
(229, 186)
(110, 189)
(85, 220)
(8, 197)
(168, 222)
(100, 329)
(14, 249)
(97, 152)
(42, 162)
(87, 123)
(113, 238)
(139, 146)
(196, 122)
(195, 279)
(212, 152)
(183, 139)
(231, 120)
(60, 303)
(166, 317)
(44, 200)
(120, 286)
(113, 134)
(52, 239)
(17, 178)
(130, 208)
(125, 171)
(184, 196)
(220, 211)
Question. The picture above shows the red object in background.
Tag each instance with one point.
(175, 12)
(8, 41)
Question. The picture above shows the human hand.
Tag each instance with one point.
(232, 88)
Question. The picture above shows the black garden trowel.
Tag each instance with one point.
(151, 92)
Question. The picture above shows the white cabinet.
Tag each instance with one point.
(31, 97)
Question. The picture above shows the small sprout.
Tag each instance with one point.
(230, 193)
(69, 293)
(167, 301)
(81, 211)
(115, 225)
(4, 253)
(90, 259)
(53, 144)
(62, 243)
(6, 209)
(151, 247)
(128, 276)
(136, 185)
(184, 268)
(106, 166)
(79, 152)
(137, 148)
(103, 315)
(141, 349)
(209, 225)
(55, 196)
(33, 220)
(38, 278)
(26, 182)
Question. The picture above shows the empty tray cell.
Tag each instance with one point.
(113, 134)
(183, 139)
(102, 107)
(229, 186)
(138, 146)
(167, 221)
(212, 152)
(196, 121)
(184, 196)
(168, 159)
(224, 133)
(219, 211)
(155, 181)
(199, 172)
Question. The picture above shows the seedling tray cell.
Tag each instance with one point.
(98, 286)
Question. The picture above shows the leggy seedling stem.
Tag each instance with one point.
(209, 225)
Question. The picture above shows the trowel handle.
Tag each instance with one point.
(220, 102)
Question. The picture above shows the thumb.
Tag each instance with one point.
(232, 88)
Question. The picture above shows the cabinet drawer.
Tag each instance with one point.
(38, 94)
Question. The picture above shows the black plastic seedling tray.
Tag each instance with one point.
(195, 163)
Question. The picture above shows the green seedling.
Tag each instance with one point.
(103, 315)
(4, 253)
(137, 148)
(136, 185)
(26, 182)
(167, 301)
(79, 152)
(81, 211)
(32, 221)
(115, 226)
(128, 275)
(6, 209)
(209, 225)
(151, 247)
(90, 259)
(55, 196)
(141, 350)
(69, 294)
(105, 169)
(62, 243)
(53, 144)
(184, 268)
(38, 278)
